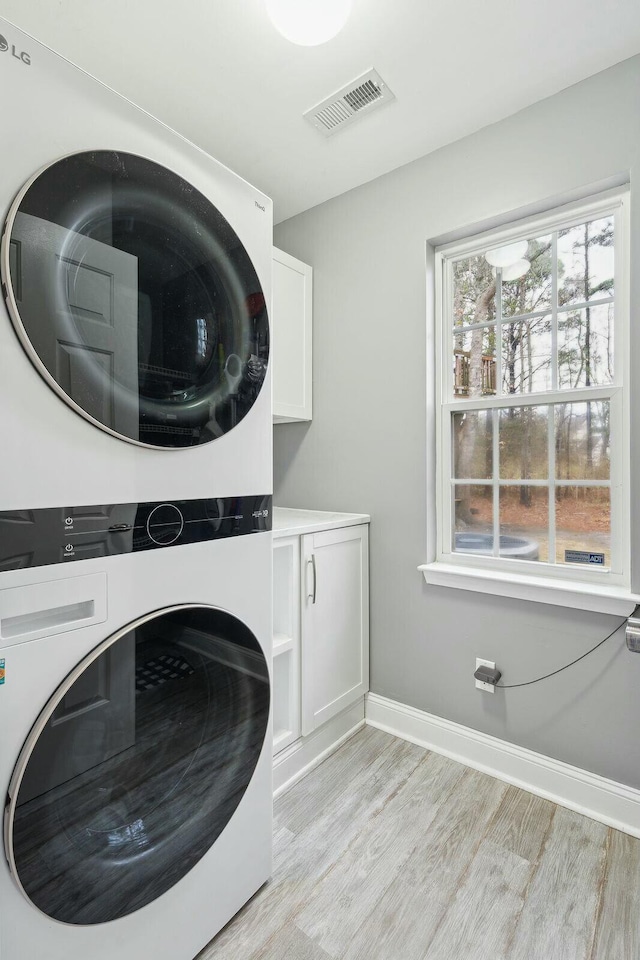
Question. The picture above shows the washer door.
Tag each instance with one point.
(137, 764)
(135, 299)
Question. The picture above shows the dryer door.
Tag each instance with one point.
(135, 299)
(108, 812)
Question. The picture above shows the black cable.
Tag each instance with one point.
(527, 683)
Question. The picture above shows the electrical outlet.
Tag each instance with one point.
(488, 687)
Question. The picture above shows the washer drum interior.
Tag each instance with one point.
(137, 764)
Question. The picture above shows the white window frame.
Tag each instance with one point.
(577, 586)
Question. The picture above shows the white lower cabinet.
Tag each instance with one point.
(335, 623)
(321, 638)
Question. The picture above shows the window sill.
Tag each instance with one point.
(566, 593)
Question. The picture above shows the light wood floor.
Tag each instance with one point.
(389, 852)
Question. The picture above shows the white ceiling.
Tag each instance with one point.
(217, 72)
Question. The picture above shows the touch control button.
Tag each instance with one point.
(164, 524)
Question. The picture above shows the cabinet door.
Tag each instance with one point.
(291, 338)
(335, 622)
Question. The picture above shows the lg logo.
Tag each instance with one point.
(23, 56)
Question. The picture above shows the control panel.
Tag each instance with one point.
(36, 538)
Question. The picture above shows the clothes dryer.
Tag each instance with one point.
(136, 277)
(134, 707)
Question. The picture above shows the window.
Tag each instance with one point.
(532, 418)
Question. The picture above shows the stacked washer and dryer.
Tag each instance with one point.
(135, 517)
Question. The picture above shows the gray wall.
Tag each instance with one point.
(365, 449)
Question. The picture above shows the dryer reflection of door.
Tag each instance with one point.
(86, 294)
(31, 538)
(94, 722)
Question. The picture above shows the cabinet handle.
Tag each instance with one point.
(312, 561)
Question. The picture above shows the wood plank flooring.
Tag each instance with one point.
(389, 852)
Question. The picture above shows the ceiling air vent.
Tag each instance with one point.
(352, 102)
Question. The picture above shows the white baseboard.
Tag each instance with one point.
(587, 793)
(298, 759)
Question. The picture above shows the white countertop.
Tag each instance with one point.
(292, 522)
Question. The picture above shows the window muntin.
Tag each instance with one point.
(526, 333)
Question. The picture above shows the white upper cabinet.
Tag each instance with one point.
(291, 338)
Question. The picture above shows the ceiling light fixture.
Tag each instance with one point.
(308, 22)
(516, 270)
(504, 256)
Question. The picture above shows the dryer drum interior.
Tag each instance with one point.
(137, 764)
(135, 299)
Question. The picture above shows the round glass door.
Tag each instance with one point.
(137, 764)
(135, 299)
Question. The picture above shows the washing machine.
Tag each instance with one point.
(136, 274)
(134, 710)
(135, 515)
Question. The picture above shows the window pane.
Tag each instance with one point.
(474, 292)
(523, 443)
(473, 518)
(473, 445)
(526, 356)
(524, 523)
(585, 262)
(474, 362)
(585, 347)
(582, 441)
(583, 526)
(531, 291)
